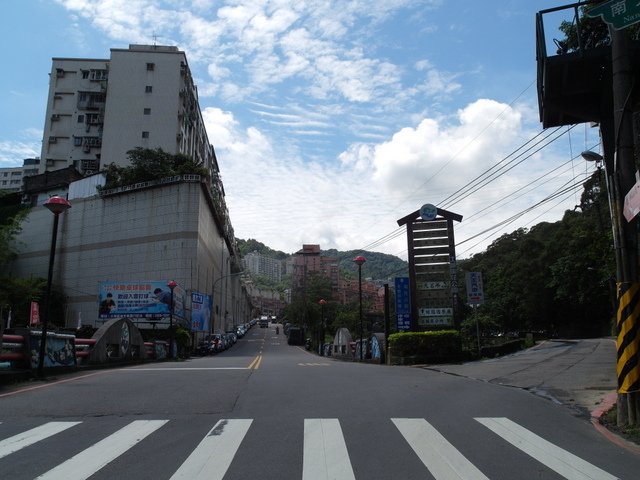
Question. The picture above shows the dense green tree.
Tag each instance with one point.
(11, 217)
(252, 245)
(147, 164)
(556, 276)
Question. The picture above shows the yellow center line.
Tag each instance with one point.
(256, 363)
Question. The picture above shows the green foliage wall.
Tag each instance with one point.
(444, 343)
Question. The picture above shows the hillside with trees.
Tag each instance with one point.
(556, 278)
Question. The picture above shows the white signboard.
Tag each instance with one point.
(475, 290)
(435, 312)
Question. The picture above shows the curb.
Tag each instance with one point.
(607, 404)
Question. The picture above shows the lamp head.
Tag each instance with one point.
(322, 302)
(57, 205)
(172, 285)
(359, 260)
(590, 156)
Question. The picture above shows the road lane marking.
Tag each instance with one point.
(256, 363)
(213, 455)
(554, 457)
(325, 455)
(22, 440)
(442, 459)
(89, 461)
(179, 369)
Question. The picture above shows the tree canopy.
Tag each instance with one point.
(151, 164)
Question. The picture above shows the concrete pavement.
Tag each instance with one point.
(577, 373)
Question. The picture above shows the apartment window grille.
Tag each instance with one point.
(77, 141)
(85, 74)
(91, 100)
(80, 118)
(148, 89)
(98, 75)
(93, 118)
(145, 134)
(150, 66)
(147, 111)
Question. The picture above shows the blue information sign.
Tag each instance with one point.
(403, 304)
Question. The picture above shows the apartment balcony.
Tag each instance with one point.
(574, 74)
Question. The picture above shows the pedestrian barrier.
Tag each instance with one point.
(12, 342)
(17, 351)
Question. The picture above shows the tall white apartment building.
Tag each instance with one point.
(98, 109)
(263, 266)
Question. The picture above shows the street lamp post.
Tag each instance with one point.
(359, 260)
(322, 304)
(213, 293)
(171, 286)
(56, 205)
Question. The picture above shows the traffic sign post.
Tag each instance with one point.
(617, 13)
(475, 297)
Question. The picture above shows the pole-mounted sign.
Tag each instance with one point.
(617, 13)
(475, 290)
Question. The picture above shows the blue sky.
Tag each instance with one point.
(330, 119)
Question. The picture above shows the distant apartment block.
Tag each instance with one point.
(308, 260)
(12, 178)
(371, 299)
(98, 109)
(263, 266)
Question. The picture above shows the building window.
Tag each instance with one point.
(148, 89)
(77, 141)
(145, 134)
(147, 111)
(85, 74)
(80, 118)
(150, 66)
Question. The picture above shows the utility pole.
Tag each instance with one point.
(628, 367)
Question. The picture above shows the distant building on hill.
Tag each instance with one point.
(308, 260)
(263, 266)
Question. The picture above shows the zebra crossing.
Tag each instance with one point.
(325, 452)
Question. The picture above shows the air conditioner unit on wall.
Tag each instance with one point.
(55, 117)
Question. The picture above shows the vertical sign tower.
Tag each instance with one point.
(432, 267)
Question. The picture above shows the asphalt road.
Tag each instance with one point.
(266, 410)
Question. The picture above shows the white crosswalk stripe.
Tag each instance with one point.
(325, 455)
(559, 460)
(89, 461)
(324, 451)
(212, 457)
(32, 436)
(442, 459)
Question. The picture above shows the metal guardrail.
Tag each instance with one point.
(150, 183)
(18, 349)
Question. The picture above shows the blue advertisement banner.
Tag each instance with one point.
(403, 304)
(138, 300)
(201, 306)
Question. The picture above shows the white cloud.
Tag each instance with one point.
(271, 190)
(26, 145)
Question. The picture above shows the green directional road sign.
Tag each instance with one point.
(617, 13)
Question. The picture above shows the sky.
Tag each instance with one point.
(333, 119)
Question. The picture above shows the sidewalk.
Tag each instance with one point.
(578, 373)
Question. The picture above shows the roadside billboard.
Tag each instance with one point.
(138, 300)
(201, 306)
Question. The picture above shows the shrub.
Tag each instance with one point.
(439, 343)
